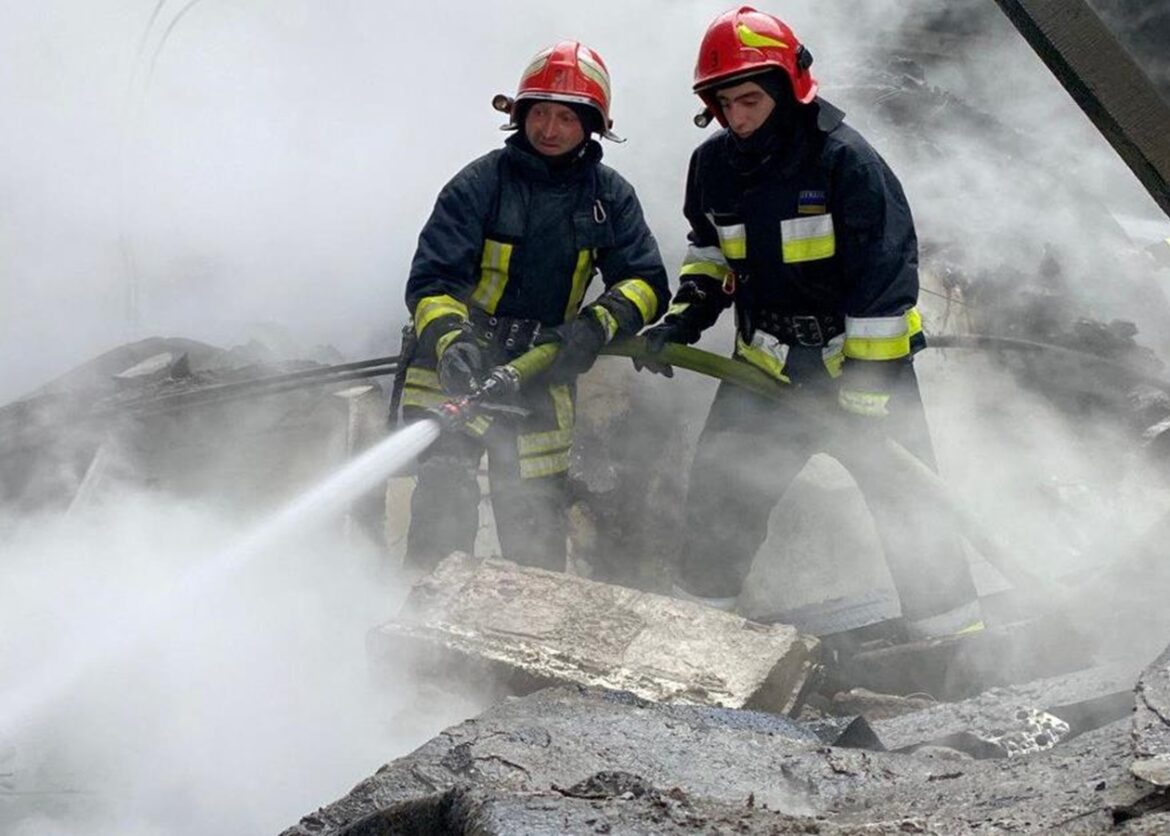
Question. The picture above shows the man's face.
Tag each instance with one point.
(745, 107)
(553, 129)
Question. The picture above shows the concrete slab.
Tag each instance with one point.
(1151, 723)
(550, 755)
(532, 627)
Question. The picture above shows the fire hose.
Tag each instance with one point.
(502, 382)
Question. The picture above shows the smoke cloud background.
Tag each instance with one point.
(272, 163)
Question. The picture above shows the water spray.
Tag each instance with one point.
(316, 506)
(107, 641)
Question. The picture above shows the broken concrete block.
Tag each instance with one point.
(1022, 720)
(565, 737)
(1151, 723)
(533, 627)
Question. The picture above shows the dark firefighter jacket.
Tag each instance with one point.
(822, 229)
(513, 243)
(512, 237)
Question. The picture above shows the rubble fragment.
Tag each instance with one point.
(1021, 720)
(1151, 724)
(531, 627)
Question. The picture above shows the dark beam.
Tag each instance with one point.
(1105, 81)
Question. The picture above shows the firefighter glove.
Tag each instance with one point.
(461, 364)
(656, 338)
(581, 340)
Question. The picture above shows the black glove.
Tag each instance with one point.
(581, 340)
(657, 337)
(461, 362)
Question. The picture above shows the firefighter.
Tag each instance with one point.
(799, 224)
(504, 263)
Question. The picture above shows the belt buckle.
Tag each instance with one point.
(807, 330)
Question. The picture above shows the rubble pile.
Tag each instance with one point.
(547, 763)
(1065, 753)
(183, 417)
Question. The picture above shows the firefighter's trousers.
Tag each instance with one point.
(751, 449)
(528, 462)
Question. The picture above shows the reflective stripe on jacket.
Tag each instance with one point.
(515, 237)
(822, 229)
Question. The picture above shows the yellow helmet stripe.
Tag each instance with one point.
(749, 38)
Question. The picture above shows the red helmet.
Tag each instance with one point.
(744, 42)
(569, 72)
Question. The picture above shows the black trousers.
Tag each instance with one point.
(530, 513)
(750, 450)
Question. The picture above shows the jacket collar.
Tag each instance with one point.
(829, 116)
(536, 167)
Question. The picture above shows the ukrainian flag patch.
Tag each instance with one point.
(811, 203)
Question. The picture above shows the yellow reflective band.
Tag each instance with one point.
(444, 341)
(422, 378)
(869, 404)
(833, 355)
(677, 308)
(712, 270)
(642, 295)
(431, 308)
(562, 400)
(553, 441)
(549, 465)
(424, 398)
(749, 38)
(479, 425)
(766, 353)
(582, 274)
(607, 321)
(878, 337)
(733, 240)
(547, 453)
(493, 275)
(913, 322)
(808, 239)
(877, 348)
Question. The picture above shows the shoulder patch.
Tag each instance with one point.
(811, 203)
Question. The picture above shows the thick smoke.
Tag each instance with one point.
(271, 162)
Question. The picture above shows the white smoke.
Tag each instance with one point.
(273, 161)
